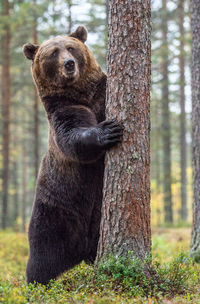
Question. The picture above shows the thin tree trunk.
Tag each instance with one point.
(5, 113)
(157, 149)
(156, 153)
(16, 196)
(69, 4)
(106, 25)
(36, 133)
(182, 115)
(15, 178)
(24, 183)
(125, 224)
(36, 106)
(195, 242)
(107, 10)
(166, 130)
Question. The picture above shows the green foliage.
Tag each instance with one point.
(114, 280)
(135, 278)
(123, 274)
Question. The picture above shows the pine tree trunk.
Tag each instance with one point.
(16, 197)
(107, 10)
(36, 133)
(24, 182)
(69, 4)
(5, 113)
(166, 130)
(157, 149)
(195, 242)
(125, 224)
(182, 115)
(15, 175)
(36, 107)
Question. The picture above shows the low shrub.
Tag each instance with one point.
(149, 278)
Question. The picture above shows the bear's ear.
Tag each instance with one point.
(30, 50)
(80, 33)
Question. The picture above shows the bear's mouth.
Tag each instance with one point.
(68, 77)
(68, 73)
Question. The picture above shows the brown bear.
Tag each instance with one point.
(65, 220)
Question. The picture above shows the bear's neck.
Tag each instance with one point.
(72, 96)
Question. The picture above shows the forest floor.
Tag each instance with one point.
(176, 277)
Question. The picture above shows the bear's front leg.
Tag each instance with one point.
(81, 139)
(88, 144)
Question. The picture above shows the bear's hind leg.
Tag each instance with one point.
(38, 271)
(93, 236)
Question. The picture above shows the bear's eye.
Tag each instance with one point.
(70, 49)
(55, 53)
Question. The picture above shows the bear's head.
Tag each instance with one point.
(62, 62)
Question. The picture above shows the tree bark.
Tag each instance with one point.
(182, 115)
(166, 129)
(107, 10)
(5, 113)
(195, 241)
(125, 224)
(69, 4)
(15, 175)
(16, 196)
(24, 182)
(156, 151)
(36, 104)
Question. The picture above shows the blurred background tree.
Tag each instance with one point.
(23, 129)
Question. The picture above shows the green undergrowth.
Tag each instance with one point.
(162, 279)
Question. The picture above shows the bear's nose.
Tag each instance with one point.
(69, 64)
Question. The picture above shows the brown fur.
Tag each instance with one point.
(91, 72)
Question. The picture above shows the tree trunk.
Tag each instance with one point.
(5, 113)
(125, 224)
(69, 4)
(24, 182)
(157, 148)
(166, 130)
(107, 10)
(15, 174)
(36, 133)
(195, 242)
(16, 197)
(36, 105)
(182, 115)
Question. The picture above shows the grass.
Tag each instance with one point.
(174, 278)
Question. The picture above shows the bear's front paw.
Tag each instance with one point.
(111, 133)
